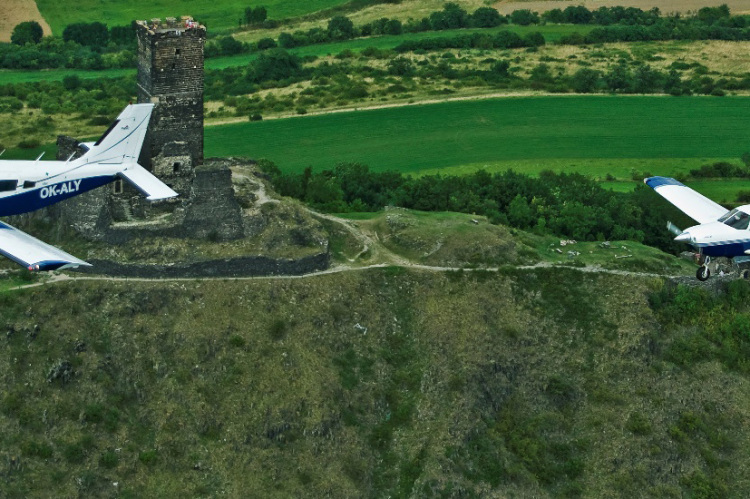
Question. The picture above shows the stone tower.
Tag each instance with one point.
(170, 75)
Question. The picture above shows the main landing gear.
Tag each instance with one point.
(739, 265)
(703, 272)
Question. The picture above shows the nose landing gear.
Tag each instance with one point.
(703, 273)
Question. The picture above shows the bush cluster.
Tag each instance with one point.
(569, 205)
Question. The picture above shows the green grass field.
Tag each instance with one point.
(595, 135)
(215, 15)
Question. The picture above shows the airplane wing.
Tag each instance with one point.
(33, 253)
(153, 188)
(695, 205)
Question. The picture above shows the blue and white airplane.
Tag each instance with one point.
(29, 185)
(720, 232)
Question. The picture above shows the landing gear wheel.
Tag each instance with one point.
(703, 273)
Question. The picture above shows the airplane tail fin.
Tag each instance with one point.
(122, 141)
(153, 188)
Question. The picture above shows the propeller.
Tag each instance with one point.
(676, 231)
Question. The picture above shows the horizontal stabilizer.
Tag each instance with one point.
(695, 205)
(153, 188)
(33, 253)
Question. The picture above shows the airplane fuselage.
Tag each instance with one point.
(717, 238)
(29, 185)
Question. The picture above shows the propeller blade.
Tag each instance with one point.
(676, 231)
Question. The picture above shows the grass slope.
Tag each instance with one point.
(430, 137)
(215, 15)
(374, 383)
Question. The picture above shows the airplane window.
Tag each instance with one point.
(8, 185)
(728, 216)
(739, 221)
(28, 184)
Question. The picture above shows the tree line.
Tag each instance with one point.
(82, 46)
(616, 24)
(564, 204)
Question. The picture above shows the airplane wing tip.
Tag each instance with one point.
(655, 182)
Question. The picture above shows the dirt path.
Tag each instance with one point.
(666, 6)
(14, 12)
(493, 95)
(370, 242)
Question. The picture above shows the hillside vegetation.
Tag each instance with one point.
(380, 382)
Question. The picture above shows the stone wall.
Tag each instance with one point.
(248, 266)
(213, 212)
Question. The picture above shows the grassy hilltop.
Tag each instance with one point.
(545, 382)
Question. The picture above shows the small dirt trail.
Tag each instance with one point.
(61, 278)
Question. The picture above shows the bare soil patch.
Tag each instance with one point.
(14, 12)
(666, 6)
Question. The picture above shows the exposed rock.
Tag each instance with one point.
(62, 370)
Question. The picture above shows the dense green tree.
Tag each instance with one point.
(400, 66)
(646, 80)
(520, 213)
(230, 45)
(393, 27)
(619, 78)
(93, 34)
(524, 17)
(340, 28)
(265, 43)
(577, 14)
(257, 15)
(555, 16)
(451, 17)
(274, 64)
(26, 32)
(486, 17)
(585, 80)
(535, 39)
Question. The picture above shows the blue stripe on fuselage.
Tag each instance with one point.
(728, 250)
(27, 200)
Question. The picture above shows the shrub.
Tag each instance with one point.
(109, 460)
(28, 144)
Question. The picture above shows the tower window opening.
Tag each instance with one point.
(176, 51)
(117, 186)
(176, 167)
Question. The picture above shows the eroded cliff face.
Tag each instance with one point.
(541, 382)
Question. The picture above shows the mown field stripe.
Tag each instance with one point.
(429, 137)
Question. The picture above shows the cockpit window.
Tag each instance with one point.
(8, 185)
(736, 219)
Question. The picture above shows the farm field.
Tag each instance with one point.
(551, 33)
(595, 135)
(215, 15)
(666, 6)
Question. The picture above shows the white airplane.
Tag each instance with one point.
(29, 185)
(720, 232)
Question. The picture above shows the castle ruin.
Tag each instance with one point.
(170, 75)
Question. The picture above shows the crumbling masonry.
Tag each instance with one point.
(170, 75)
